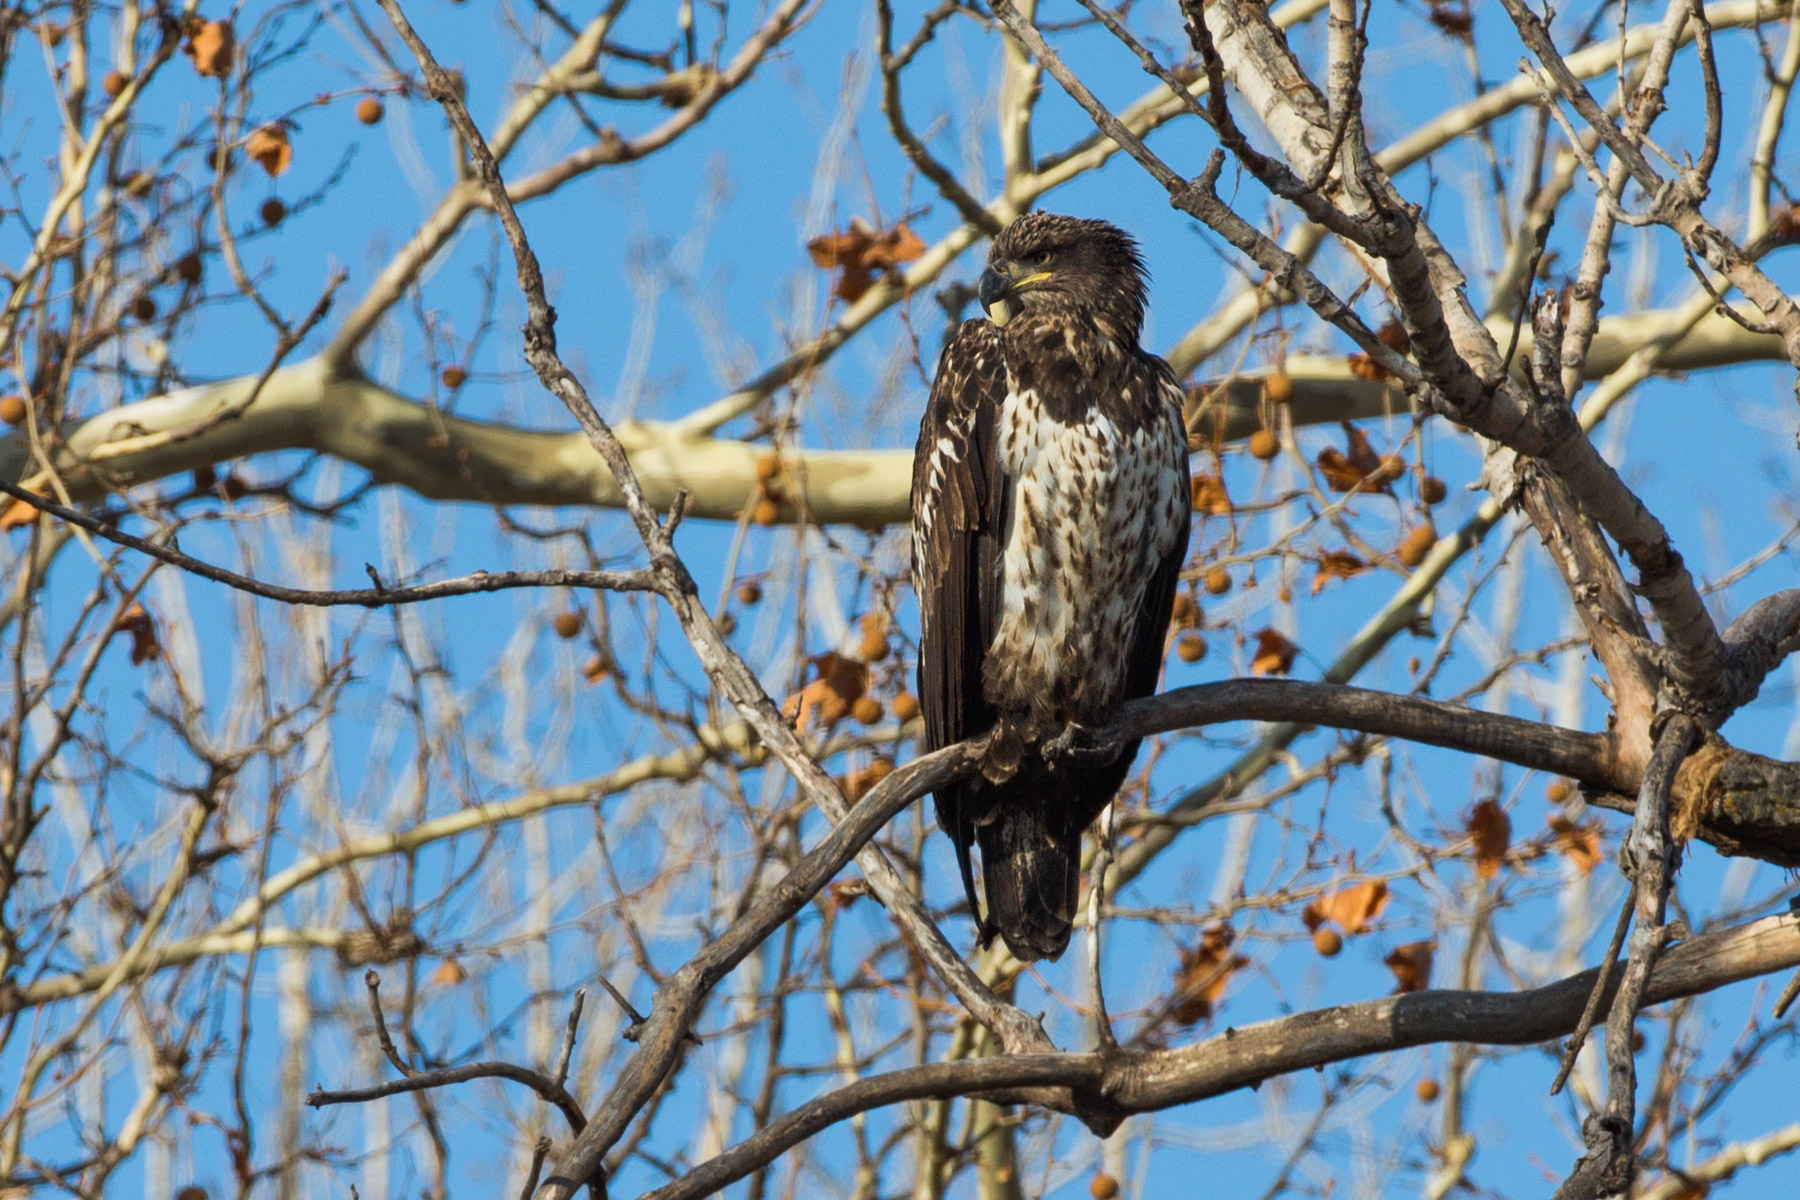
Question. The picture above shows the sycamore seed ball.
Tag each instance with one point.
(766, 512)
(1417, 544)
(749, 593)
(1327, 941)
(906, 706)
(566, 624)
(1279, 387)
(12, 409)
(1557, 792)
(369, 110)
(1218, 581)
(1190, 647)
(1264, 444)
(1103, 1186)
(455, 377)
(273, 211)
(867, 710)
(1427, 1090)
(114, 83)
(1432, 490)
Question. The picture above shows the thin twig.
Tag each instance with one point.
(375, 597)
(1591, 1012)
(1610, 1161)
(539, 1153)
(419, 1081)
(1786, 999)
(561, 1074)
(1103, 858)
(372, 979)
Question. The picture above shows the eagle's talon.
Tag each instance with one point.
(1076, 746)
(1063, 747)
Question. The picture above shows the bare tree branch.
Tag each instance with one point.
(1119, 1082)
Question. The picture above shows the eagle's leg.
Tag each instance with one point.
(1001, 751)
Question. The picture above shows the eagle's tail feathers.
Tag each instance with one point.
(965, 844)
(1031, 865)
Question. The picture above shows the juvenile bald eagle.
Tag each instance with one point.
(1050, 520)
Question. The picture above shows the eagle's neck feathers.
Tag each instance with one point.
(1075, 364)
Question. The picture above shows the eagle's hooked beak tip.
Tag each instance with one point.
(992, 290)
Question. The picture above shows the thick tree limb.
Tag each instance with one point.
(1107, 1086)
(1753, 1152)
(445, 457)
(1739, 802)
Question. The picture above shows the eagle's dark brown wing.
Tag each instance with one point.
(1150, 632)
(958, 494)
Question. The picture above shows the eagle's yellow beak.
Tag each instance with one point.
(995, 291)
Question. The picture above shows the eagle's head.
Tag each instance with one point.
(1045, 264)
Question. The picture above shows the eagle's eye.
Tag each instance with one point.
(1043, 260)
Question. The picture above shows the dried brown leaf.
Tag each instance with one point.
(16, 514)
(1351, 909)
(1411, 965)
(270, 149)
(211, 46)
(859, 252)
(1490, 829)
(137, 623)
(835, 249)
(1274, 654)
(449, 973)
(1204, 971)
(1336, 564)
(1577, 841)
(840, 682)
(1208, 493)
(857, 783)
(1392, 334)
(898, 245)
(1358, 466)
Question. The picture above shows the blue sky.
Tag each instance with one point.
(678, 277)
